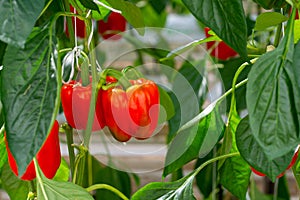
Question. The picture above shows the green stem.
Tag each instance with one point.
(107, 187)
(214, 160)
(278, 35)
(275, 195)
(88, 131)
(69, 134)
(237, 73)
(69, 23)
(39, 179)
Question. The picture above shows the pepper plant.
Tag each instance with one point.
(49, 66)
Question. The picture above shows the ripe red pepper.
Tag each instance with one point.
(48, 157)
(221, 51)
(75, 100)
(280, 175)
(132, 112)
(115, 23)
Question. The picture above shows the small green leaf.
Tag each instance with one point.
(178, 190)
(15, 187)
(269, 19)
(28, 94)
(273, 98)
(226, 18)
(17, 20)
(131, 13)
(256, 157)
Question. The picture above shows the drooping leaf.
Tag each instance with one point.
(226, 18)
(17, 20)
(273, 98)
(28, 93)
(15, 187)
(194, 142)
(256, 157)
(131, 13)
(178, 190)
(269, 19)
(234, 171)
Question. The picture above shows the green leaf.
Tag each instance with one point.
(17, 20)
(186, 95)
(256, 157)
(196, 141)
(226, 18)
(273, 98)
(63, 172)
(269, 19)
(89, 4)
(15, 187)
(50, 189)
(234, 172)
(167, 106)
(28, 94)
(131, 13)
(189, 46)
(2, 51)
(178, 190)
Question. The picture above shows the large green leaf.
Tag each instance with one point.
(50, 189)
(196, 141)
(234, 172)
(131, 13)
(17, 20)
(28, 94)
(185, 89)
(256, 157)
(178, 190)
(226, 18)
(15, 187)
(273, 98)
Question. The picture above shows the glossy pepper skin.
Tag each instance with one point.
(222, 51)
(294, 159)
(115, 23)
(75, 100)
(48, 157)
(269, 4)
(131, 113)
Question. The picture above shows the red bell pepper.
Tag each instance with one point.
(132, 112)
(75, 100)
(221, 51)
(48, 157)
(115, 24)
